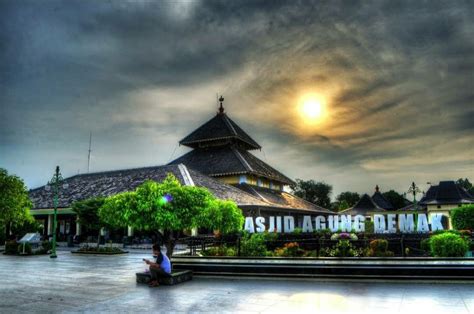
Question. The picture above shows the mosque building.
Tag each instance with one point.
(221, 161)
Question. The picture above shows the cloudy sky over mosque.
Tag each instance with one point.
(394, 79)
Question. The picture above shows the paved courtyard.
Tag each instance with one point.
(74, 283)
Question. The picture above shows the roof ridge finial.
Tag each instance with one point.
(221, 108)
(377, 188)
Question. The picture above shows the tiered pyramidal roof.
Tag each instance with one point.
(221, 148)
(220, 131)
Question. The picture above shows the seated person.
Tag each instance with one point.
(160, 268)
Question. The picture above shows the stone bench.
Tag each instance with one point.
(177, 276)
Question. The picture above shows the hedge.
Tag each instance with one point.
(462, 217)
(448, 245)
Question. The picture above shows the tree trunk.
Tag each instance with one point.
(170, 242)
(98, 239)
(7, 231)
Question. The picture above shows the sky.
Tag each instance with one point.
(396, 79)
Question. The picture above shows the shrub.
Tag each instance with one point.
(46, 245)
(107, 249)
(291, 249)
(24, 248)
(254, 245)
(270, 236)
(323, 233)
(425, 245)
(448, 245)
(343, 248)
(298, 231)
(11, 247)
(379, 248)
(369, 226)
(446, 231)
(311, 253)
(344, 236)
(463, 217)
(219, 251)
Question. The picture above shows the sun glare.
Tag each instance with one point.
(312, 108)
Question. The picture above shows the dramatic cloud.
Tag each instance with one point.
(397, 78)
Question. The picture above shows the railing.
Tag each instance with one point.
(398, 244)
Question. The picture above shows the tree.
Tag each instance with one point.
(396, 199)
(466, 185)
(345, 200)
(223, 216)
(15, 203)
(170, 207)
(88, 214)
(318, 193)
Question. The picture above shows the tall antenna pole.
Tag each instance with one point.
(89, 157)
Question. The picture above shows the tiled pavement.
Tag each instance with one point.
(74, 283)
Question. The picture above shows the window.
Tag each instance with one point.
(242, 179)
(259, 182)
(439, 206)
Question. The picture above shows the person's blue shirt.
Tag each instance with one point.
(164, 262)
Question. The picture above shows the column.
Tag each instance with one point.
(194, 232)
(50, 224)
(78, 228)
(130, 231)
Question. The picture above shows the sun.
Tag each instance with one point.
(312, 108)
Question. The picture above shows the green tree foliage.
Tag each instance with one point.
(466, 184)
(223, 216)
(463, 217)
(14, 201)
(170, 207)
(318, 193)
(449, 245)
(395, 198)
(88, 214)
(345, 200)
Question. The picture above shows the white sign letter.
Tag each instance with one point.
(391, 225)
(359, 225)
(249, 225)
(379, 223)
(422, 225)
(346, 223)
(259, 221)
(271, 228)
(333, 223)
(320, 223)
(307, 225)
(289, 223)
(436, 222)
(406, 223)
(278, 224)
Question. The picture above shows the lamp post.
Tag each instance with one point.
(414, 190)
(55, 182)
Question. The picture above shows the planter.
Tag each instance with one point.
(98, 253)
(337, 268)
